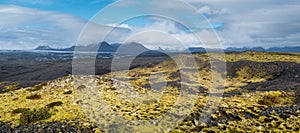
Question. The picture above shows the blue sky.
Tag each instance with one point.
(81, 8)
(58, 23)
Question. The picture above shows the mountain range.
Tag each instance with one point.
(260, 49)
(103, 47)
(134, 47)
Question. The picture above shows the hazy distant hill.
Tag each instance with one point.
(197, 50)
(102, 47)
(123, 49)
(43, 48)
(284, 49)
(48, 48)
(131, 48)
(259, 49)
(134, 47)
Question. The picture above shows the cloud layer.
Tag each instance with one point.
(26, 28)
(263, 23)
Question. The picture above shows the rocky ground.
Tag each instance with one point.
(51, 127)
(261, 94)
(26, 71)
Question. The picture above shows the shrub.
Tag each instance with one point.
(35, 115)
(34, 96)
(51, 105)
(270, 100)
(20, 110)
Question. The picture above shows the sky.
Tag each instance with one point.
(59, 23)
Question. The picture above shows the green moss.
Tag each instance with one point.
(234, 130)
(34, 96)
(20, 110)
(11, 87)
(37, 87)
(53, 104)
(236, 113)
(262, 57)
(249, 73)
(31, 116)
(150, 101)
(270, 100)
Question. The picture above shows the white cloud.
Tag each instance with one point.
(206, 10)
(167, 35)
(27, 28)
(120, 26)
(263, 23)
(246, 23)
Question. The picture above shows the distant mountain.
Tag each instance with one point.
(67, 49)
(284, 49)
(48, 48)
(102, 47)
(260, 49)
(128, 48)
(230, 49)
(243, 49)
(43, 48)
(134, 48)
(105, 47)
(116, 44)
(197, 50)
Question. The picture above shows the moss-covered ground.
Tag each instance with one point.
(240, 109)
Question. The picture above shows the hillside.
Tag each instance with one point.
(261, 94)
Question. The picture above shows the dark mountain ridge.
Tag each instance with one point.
(135, 47)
